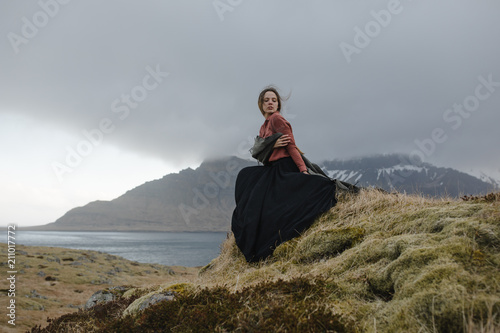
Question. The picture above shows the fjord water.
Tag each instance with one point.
(188, 249)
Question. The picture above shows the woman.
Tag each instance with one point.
(277, 201)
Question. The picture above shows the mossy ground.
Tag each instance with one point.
(374, 263)
(52, 281)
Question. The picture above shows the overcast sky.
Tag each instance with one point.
(97, 97)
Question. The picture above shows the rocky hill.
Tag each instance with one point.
(375, 262)
(203, 199)
(396, 172)
(191, 200)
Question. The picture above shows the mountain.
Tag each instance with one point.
(191, 200)
(396, 172)
(203, 199)
(492, 177)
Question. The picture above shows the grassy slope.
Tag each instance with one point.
(374, 263)
(392, 262)
(53, 281)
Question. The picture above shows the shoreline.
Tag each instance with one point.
(165, 248)
(53, 281)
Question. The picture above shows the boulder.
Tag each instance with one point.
(104, 296)
(99, 297)
(146, 301)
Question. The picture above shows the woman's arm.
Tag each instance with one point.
(282, 141)
(281, 125)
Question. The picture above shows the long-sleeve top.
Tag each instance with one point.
(276, 123)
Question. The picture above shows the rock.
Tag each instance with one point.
(165, 296)
(120, 290)
(86, 258)
(105, 296)
(35, 294)
(54, 259)
(99, 297)
(160, 268)
(114, 271)
(148, 300)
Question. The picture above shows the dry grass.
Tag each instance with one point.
(55, 281)
(374, 263)
(398, 262)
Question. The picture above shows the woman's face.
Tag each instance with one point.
(270, 103)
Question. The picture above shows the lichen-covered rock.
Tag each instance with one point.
(105, 296)
(165, 296)
(148, 300)
(100, 297)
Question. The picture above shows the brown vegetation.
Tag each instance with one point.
(55, 281)
(374, 263)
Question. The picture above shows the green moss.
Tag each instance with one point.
(374, 263)
(180, 288)
(280, 306)
(327, 243)
(131, 292)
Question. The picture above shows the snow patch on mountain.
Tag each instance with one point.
(344, 174)
(488, 176)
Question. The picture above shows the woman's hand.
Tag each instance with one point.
(283, 141)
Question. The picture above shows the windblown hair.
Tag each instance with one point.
(261, 97)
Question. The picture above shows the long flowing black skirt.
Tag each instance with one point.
(276, 203)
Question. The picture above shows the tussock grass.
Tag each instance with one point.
(398, 262)
(376, 262)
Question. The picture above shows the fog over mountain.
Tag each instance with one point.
(203, 199)
(97, 97)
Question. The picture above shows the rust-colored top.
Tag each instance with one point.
(275, 123)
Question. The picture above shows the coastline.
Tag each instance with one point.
(188, 249)
(53, 281)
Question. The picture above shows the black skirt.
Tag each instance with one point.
(276, 203)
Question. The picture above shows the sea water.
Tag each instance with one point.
(188, 249)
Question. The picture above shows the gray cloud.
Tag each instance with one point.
(394, 91)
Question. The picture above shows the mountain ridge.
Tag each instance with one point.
(202, 199)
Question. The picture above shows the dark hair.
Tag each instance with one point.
(261, 97)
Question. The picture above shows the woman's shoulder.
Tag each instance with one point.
(277, 117)
(277, 120)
